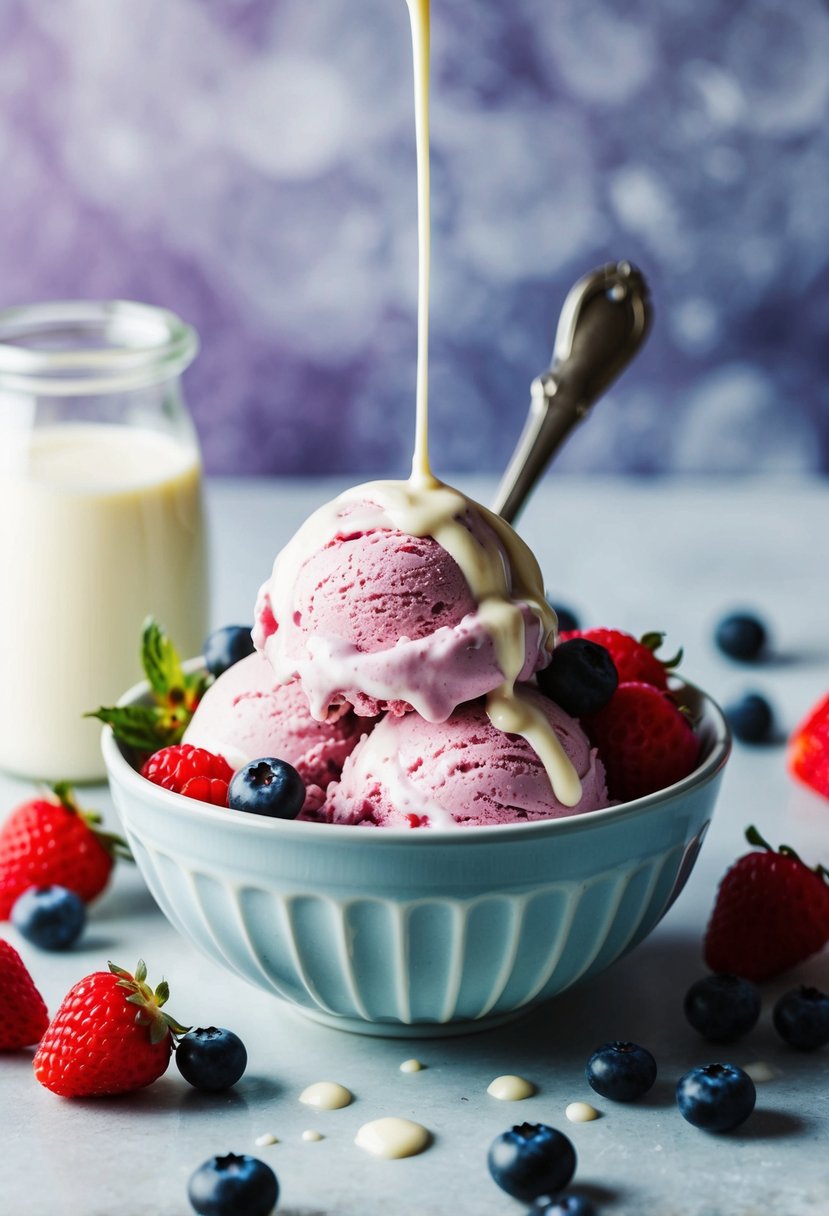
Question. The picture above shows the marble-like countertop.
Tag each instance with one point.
(663, 554)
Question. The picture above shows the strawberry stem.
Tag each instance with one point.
(111, 842)
(785, 850)
(653, 641)
(754, 837)
(149, 1012)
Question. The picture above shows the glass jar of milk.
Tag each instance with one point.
(101, 520)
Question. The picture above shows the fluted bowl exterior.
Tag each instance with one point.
(398, 931)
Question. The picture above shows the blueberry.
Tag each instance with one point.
(267, 787)
(750, 718)
(531, 1159)
(50, 917)
(741, 635)
(567, 619)
(564, 1205)
(234, 1185)
(227, 646)
(211, 1059)
(801, 1018)
(622, 1072)
(716, 1097)
(581, 677)
(722, 1007)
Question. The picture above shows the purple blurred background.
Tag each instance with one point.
(250, 164)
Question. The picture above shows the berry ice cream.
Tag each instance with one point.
(385, 603)
(463, 772)
(246, 715)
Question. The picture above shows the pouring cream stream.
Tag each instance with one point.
(425, 506)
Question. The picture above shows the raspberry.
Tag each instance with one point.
(191, 771)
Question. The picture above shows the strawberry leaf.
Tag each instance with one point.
(144, 727)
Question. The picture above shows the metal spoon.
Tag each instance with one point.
(604, 321)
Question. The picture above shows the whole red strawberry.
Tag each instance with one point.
(192, 771)
(635, 660)
(109, 1036)
(771, 912)
(809, 749)
(644, 740)
(51, 841)
(23, 1016)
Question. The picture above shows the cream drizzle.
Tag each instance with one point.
(424, 506)
(421, 37)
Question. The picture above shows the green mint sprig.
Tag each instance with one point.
(175, 695)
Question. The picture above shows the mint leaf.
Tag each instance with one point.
(160, 660)
(144, 727)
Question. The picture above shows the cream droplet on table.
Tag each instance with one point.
(411, 1066)
(266, 1139)
(326, 1095)
(392, 1137)
(312, 1136)
(581, 1112)
(510, 1088)
(760, 1072)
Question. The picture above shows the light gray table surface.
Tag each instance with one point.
(664, 554)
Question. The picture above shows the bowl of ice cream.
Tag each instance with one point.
(406, 932)
(458, 857)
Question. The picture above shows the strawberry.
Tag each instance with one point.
(23, 1016)
(634, 660)
(809, 749)
(109, 1036)
(174, 696)
(771, 912)
(51, 841)
(192, 771)
(644, 740)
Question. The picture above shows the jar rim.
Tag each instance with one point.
(77, 347)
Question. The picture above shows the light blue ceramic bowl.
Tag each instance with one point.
(400, 932)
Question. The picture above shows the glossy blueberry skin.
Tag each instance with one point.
(716, 1097)
(567, 619)
(622, 1072)
(50, 917)
(211, 1059)
(801, 1018)
(233, 1185)
(722, 1007)
(741, 635)
(581, 677)
(531, 1159)
(267, 787)
(563, 1205)
(227, 646)
(751, 718)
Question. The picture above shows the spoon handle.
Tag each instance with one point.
(604, 321)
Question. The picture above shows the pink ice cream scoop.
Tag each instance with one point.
(245, 715)
(384, 620)
(460, 773)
